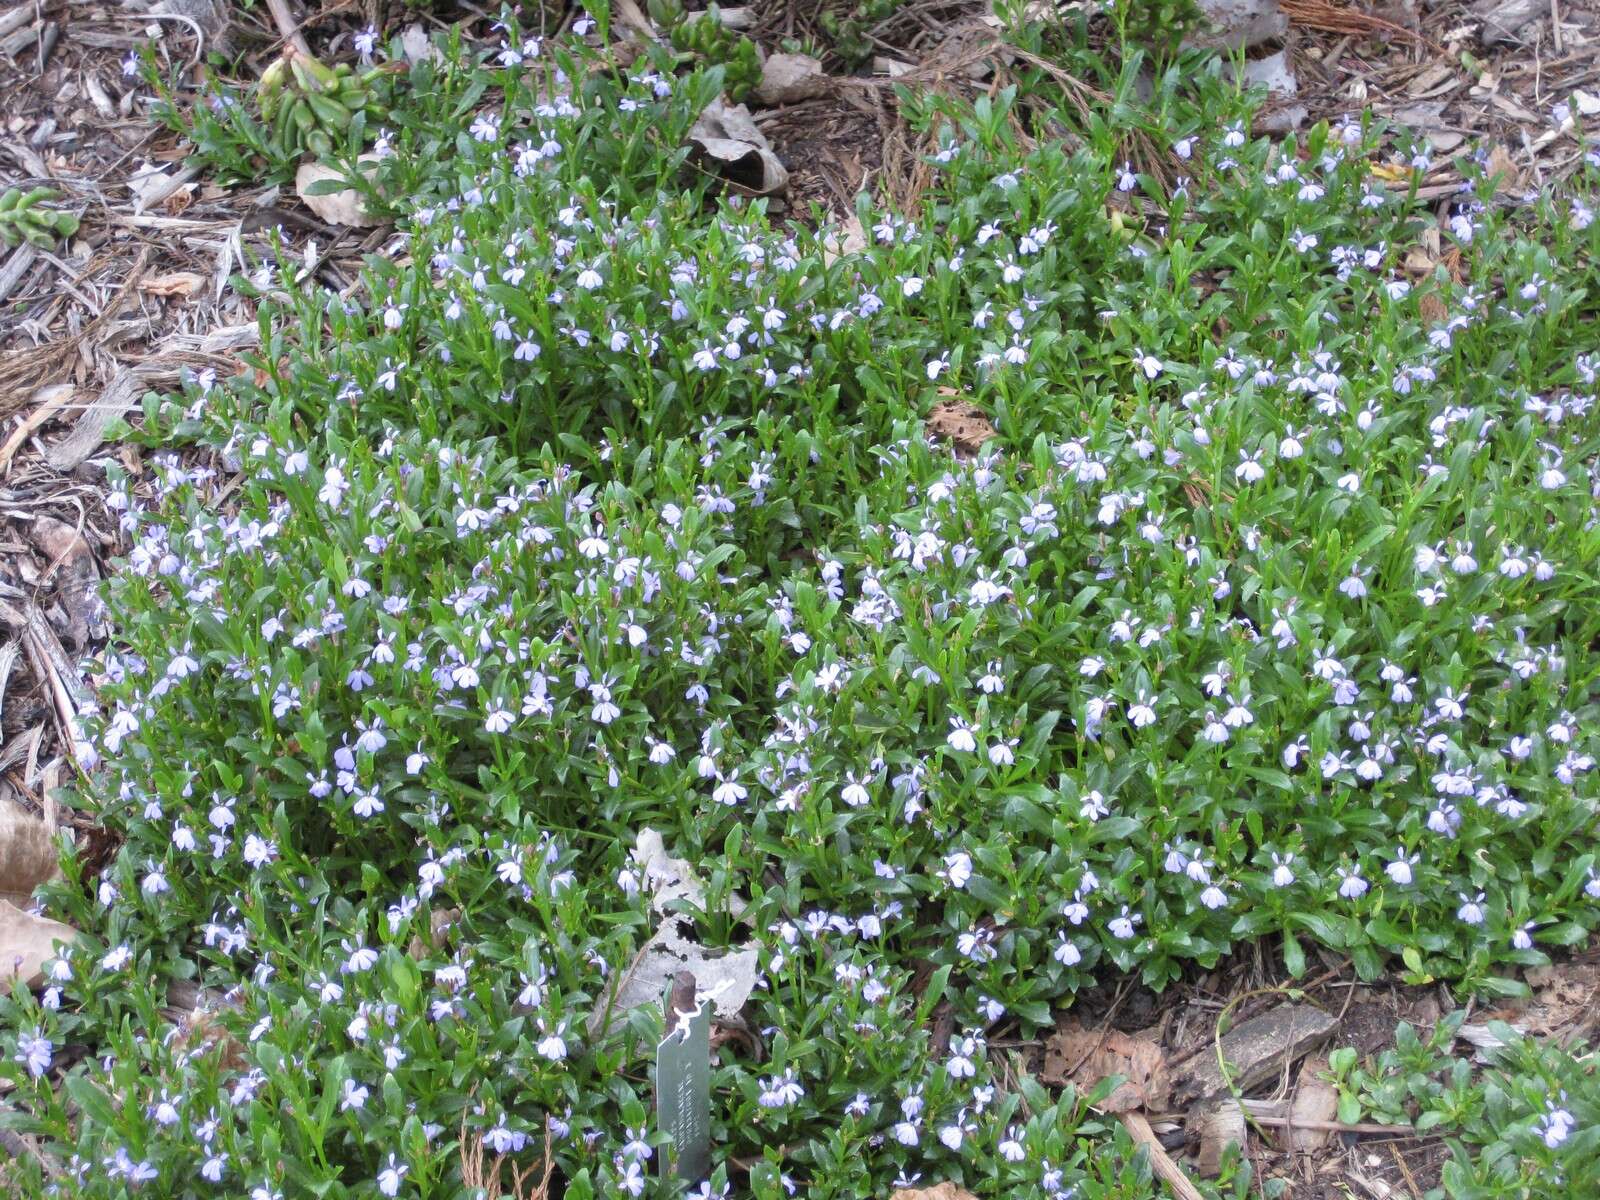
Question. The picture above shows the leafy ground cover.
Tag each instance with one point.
(1254, 602)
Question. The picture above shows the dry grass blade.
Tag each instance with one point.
(1339, 18)
(485, 1181)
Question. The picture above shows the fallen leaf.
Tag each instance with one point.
(1282, 113)
(671, 880)
(175, 283)
(939, 1191)
(28, 942)
(1509, 22)
(151, 183)
(345, 207)
(417, 46)
(789, 78)
(961, 423)
(1484, 1040)
(1239, 24)
(1433, 310)
(178, 201)
(440, 921)
(846, 238)
(727, 136)
(201, 1032)
(76, 578)
(28, 854)
(724, 975)
(1083, 1057)
(1503, 170)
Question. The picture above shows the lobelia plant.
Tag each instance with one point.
(609, 506)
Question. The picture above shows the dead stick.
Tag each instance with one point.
(284, 20)
(1160, 1161)
(1273, 1122)
(50, 400)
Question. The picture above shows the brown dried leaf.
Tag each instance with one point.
(848, 238)
(961, 423)
(28, 855)
(203, 1032)
(1503, 170)
(175, 283)
(939, 1191)
(1433, 309)
(1083, 1057)
(439, 924)
(27, 943)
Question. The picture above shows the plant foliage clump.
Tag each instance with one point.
(1266, 610)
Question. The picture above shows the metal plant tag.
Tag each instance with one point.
(683, 1083)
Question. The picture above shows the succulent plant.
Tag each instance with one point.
(24, 217)
(307, 105)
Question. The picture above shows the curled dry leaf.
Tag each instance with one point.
(730, 145)
(1083, 1057)
(790, 78)
(846, 238)
(345, 207)
(28, 855)
(28, 942)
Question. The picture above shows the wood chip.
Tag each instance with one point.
(1161, 1163)
(1222, 1125)
(175, 283)
(1316, 1103)
(1255, 1051)
(46, 402)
